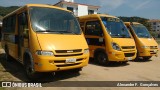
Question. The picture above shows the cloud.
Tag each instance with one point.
(143, 5)
(111, 4)
(139, 4)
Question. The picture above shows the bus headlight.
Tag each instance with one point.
(45, 53)
(115, 46)
(145, 47)
(86, 51)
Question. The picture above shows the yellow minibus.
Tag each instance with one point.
(108, 38)
(145, 43)
(44, 38)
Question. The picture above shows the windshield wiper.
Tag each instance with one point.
(68, 32)
(115, 35)
(120, 36)
(61, 32)
(48, 31)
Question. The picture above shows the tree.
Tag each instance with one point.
(143, 21)
(6, 10)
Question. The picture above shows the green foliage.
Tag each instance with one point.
(1, 18)
(143, 21)
(6, 10)
(154, 34)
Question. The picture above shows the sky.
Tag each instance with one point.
(142, 8)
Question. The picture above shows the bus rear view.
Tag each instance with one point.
(146, 45)
(48, 39)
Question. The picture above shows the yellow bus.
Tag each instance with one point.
(145, 43)
(44, 38)
(108, 38)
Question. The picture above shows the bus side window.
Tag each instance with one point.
(93, 28)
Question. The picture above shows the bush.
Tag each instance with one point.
(154, 34)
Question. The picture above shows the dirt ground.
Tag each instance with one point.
(131, 71)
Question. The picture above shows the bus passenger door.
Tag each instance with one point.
(22, 34)
(94, 36)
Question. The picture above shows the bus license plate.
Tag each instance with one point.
(71, 60)
(129, 58)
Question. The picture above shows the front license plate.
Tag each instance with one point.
(71, 60)
(129, 58)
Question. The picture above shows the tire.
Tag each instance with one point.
(147, 58)
(77, 70)
(7, 56)
(102, 58)
(137, 57)
(30, 72)
(124, 62)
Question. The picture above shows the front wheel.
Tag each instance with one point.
(31, 74)
(77, 70)
(102, 58)
(7, 56)
(147, 58)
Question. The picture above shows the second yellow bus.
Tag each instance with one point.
(108, 38)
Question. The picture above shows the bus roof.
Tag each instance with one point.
(130, 23)
(96, 15)
(36, 5)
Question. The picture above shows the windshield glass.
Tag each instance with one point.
(115, 27)
(53, 21)
(141, 31)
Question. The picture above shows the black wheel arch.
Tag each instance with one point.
(27, 58)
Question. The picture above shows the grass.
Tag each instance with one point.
(1, 88)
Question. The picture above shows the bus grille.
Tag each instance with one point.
(129, 54)
(152, 52)
(153, 47)
(62, 63)
(128, 47)
(68, 55)
(69, 51)
(65, 65)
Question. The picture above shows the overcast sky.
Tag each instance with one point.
(142, 8)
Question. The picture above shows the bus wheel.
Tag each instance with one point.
(31, 74)
(102, 59)
(146, 58)
(137, 57)
(77, 70)
(7, 56)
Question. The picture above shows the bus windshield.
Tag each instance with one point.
(141, 31)
(115, 27)
(53, 21)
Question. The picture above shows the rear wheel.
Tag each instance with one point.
(102, 58)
